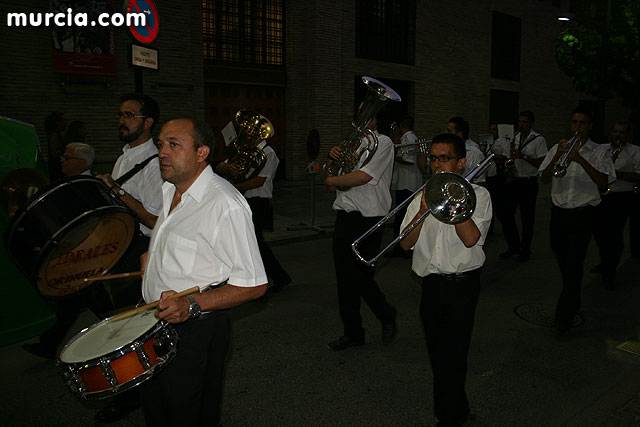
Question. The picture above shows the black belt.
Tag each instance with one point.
(453, 277)
(572, 210)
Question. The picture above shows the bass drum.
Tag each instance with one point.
(73, 229)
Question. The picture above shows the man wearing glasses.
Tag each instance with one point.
(77, 159)
(449, 258)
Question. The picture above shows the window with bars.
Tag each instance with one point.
(244, 31)
(386, 30)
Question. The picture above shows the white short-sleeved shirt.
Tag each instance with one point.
(536, 148)
(268, 172)
(407, 177)
(439, 249)
(474, 157)
(207, 239)
(627, 161)
(374, 197)
(146, 185)
(576, 189)
(499, 146)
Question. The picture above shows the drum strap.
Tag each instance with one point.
(137, 168)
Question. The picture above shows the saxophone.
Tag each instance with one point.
(244, 155)
(510, 164)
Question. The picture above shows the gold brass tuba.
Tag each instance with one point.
(247, 159)
(377, 95)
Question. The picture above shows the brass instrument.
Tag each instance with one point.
(244, 155)
(614, 155)
(451, 199)
(377, 95)
(560, 168)
(422, 144)
(510, 163)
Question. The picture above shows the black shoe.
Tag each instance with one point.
(596, 269)
(39, 350)
(345, 342)
(390, 330)
(523, 257)
(114, 411)
(508, 254)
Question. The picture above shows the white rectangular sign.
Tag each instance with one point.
(144, 57)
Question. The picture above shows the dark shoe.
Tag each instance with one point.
(345, 342)
(523, 257)
(508, 254)
(390, 330)
(114, 411)
(39, 350)
(596, 269)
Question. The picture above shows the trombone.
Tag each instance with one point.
(560, 168)
(451, 198)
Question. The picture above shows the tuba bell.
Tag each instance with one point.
(377, 95)
(244, 155)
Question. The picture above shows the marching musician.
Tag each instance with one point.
(259, 191)
(521, 190)
(449, 258)
(459, 126)
(495, 173)
(366, 200)
(406, 173)
(77, 159)
(204, 237)
(612, 213)
(574, 196)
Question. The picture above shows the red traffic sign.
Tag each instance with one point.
(148, 32)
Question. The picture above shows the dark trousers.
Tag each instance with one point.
(570, 235)
(634, 226)
(355, 279)
(401, 196)
(496, 187)
(448, 309)
(608, 229)
(522, 193)
(260, 211)
(187, 391)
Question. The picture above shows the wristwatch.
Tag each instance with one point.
(118, 190)
(194, 307)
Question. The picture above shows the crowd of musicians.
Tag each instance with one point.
(198, 228)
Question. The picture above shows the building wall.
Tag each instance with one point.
(31, 90)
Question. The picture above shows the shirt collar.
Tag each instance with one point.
(199, 186)
(132, 151)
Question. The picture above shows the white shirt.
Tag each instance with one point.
(146, 185)
(474, 157)
(407, 177)
(207, 239)
(439, 249)
(536, 148)
(499, 146)
(627, 161)
(87, 172)
(576, 189)
(268, 172)
(372, 198)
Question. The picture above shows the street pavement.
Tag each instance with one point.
(280, 372)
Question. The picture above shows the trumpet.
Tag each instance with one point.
(423, 145)
(451, 199)
(560, 168)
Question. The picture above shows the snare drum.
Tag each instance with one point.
(110, 357)
(74, 229)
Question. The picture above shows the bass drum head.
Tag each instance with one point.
(91, 246)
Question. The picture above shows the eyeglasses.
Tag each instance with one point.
(128, 115)
(63, 157)
(442, 158)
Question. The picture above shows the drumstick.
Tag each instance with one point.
(114, 276)
(152, 305)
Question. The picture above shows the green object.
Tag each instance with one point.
(23, 312)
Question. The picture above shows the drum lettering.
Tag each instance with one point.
(79, 255)
(61, 282)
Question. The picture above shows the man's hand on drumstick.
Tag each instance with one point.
(175, 310)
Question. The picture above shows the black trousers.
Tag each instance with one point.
(187, 391)
(260, 215)
(496, 187)
(570, 236)
(401, 196)
(634, 226)
(447, 309)
(522, 193)
(608, 229)
(355, 279)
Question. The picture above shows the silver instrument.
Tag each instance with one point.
(510, 163)
(377, 95)
(422, 144)
(560, 168)
(451, 198)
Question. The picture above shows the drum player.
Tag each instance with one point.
(203, 236)
(449, 258)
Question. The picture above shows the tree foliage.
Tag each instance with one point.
(600, 49)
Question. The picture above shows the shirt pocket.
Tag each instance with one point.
(180, 254)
